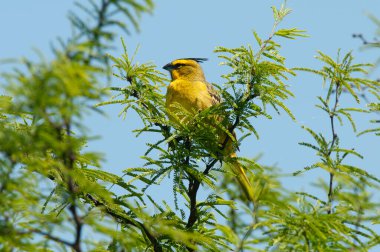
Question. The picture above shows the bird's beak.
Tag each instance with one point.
(168, 67)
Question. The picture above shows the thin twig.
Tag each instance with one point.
(246, 235)
(250, 229)
(165, 129)
(334, 138)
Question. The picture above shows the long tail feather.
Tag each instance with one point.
(244, 182)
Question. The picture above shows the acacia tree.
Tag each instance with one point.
(56, 196)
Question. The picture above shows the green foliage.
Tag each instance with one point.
(55, 196)
(346, 181)
(374, 108)
(262, 74)
(50, 187)
(95, 27)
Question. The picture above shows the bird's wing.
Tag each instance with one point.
(215, 97)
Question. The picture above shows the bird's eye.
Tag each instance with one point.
(179, 65)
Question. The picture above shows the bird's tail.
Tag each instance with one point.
(244, 182)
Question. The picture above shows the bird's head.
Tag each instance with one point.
(186, 68)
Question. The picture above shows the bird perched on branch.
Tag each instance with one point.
(190, 90)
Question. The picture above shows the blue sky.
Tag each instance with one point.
(193, 29)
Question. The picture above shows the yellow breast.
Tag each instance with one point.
(191, 95)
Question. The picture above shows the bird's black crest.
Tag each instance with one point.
(199, 60)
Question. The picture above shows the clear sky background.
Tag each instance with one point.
(193, 29)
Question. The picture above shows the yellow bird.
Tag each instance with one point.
(190, 90)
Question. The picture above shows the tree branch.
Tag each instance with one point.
(194, 184)
(78, 226)
(51, 237)
(96, 31)
(119, 218)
